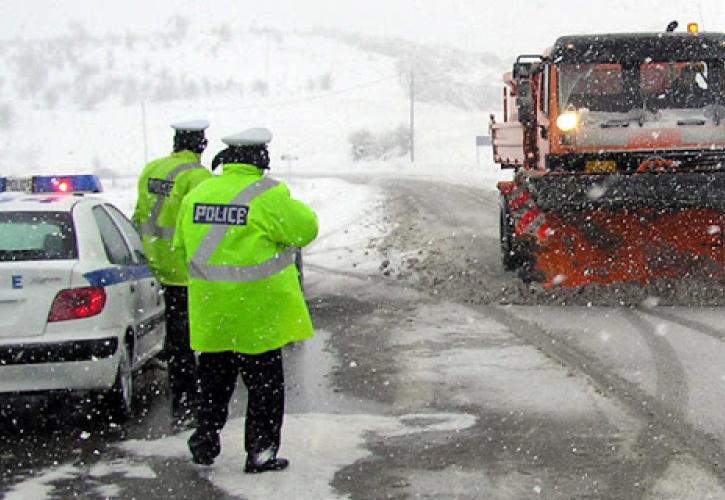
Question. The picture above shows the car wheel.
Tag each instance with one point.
(119, 398)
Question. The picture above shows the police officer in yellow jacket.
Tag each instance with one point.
(240, 232)
(161, 187)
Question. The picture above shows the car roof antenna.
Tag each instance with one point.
(672, 26)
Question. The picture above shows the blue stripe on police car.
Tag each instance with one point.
(114, 275)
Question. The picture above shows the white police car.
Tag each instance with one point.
(79, 309)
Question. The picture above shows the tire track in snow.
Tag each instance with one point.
(687, 323)
(666, 432)
(672, 387)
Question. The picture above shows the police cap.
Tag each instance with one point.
(191, 126)
(251, 137)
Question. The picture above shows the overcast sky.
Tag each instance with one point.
(503, 27)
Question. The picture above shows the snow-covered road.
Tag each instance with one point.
(424, 381)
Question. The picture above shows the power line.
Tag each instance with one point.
(305, 99)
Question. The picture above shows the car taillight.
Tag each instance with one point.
(77, 303)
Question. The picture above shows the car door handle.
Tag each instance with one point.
(132, 287)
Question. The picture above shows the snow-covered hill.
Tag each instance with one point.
(80, 102)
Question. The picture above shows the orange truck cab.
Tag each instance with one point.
(618, 146)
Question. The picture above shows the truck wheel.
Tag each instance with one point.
(119, 399)
(528, 272)
(510, 256)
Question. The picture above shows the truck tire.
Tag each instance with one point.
(510, 249)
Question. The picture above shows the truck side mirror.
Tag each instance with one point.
(525, 102)
(524, 68)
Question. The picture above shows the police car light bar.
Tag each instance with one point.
(52, 184)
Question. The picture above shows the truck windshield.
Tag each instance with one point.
(28, 236)
(609, 87)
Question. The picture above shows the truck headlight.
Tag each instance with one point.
(567, 121)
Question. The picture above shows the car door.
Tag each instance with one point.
(152, 326)
(125, 291)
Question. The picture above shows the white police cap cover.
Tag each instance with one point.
(190, 126)
(250, 137)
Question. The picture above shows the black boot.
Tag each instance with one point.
(204, 447)
(260, 463)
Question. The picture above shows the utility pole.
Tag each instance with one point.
(145, 138)
(412, 115)
(266, 63)
(702, 19)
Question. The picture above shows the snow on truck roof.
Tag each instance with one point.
(619, 47)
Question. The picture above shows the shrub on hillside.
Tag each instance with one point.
(393, 143)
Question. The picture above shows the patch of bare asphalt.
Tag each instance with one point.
(507, 454)
(504, 456)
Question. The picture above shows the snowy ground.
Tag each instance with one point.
(315, 457)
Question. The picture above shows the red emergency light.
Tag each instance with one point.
(52, 184)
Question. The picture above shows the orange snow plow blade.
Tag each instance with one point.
(643, 245)
(630, 228)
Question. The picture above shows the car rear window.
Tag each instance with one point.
(37, 236)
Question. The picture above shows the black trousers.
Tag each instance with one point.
(263, 374)
(181, 359)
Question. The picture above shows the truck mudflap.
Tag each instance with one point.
(642, 228)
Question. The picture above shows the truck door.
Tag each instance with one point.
(542, 117)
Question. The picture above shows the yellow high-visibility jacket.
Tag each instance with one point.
(161, 187)
(239, 233)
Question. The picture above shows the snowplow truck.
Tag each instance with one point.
(617, 145)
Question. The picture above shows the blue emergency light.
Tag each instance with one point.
(52, 184)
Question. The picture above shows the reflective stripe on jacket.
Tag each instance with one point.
(239, 233)
(161, 187)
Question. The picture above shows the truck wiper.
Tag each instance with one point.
(620, 122)
(640, 116)
(691, 121)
